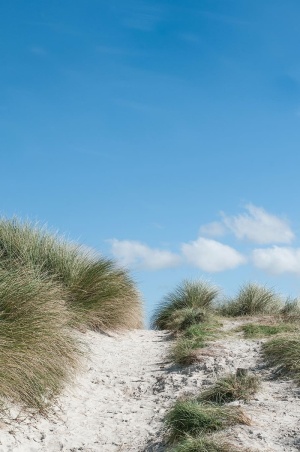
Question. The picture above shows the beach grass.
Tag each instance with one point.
(283, 353)
(252, 299)
(98, 293)
(194, 418)
(48, 287)
(184, 350)
(205, 444)
(231, 387)
(188, 304)
(257, 330)
(38, 352)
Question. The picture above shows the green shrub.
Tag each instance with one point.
(38, 353)
(231, 387)
(252, 299)
(192, 418)
(100, 295)
(284, 354)
(252, 330)
(198, 296)
(204, 444)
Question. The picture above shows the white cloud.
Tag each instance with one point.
(277, 259)
(214, 229)
(138, 255)
(212, 256)
(259, 226)
(255, 225)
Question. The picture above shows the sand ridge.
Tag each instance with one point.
(119, 400)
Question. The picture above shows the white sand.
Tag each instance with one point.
(119, 400)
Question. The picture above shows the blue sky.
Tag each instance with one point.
(165, 134)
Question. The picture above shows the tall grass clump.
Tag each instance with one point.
(204, 444)
(193, 418)
(184, 351)
(290, 312)
(252, 299)
(98, 293)
(38, 353)
(231, 387)
(283, 353)
(190, 303)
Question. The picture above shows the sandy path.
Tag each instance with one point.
(112, 404)
(119, 400)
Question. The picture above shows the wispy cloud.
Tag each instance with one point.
(255, 225)
(212, 256)
(214, 229)
(142, 16)
(224, 18)
(138, 255)
(259, 226)
(277, 259)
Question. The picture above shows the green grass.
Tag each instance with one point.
(253, 330)
(231, 387)
(38, 353)
(283, 353)
(194, 298)
(47, 287)
(204, 444)
(252, 299)
(193, 418)
(291, 311)
(184, 350)
(98, 293)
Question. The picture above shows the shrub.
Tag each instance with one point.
(192, 418)
(38, 353)
(100, 295)
(252, 299)
(198, 296)
(284, 354)
(231, 387)
(204, 444)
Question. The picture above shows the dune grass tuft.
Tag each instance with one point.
(184, 350)
(283, 353)
(38, 353)
(290, 312)
(193, 418)
(205, 444)
(253, 330)
(188, 304)
(252, 299)
(100, 295)
(231, 387)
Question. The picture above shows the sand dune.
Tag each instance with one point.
(119, 400)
